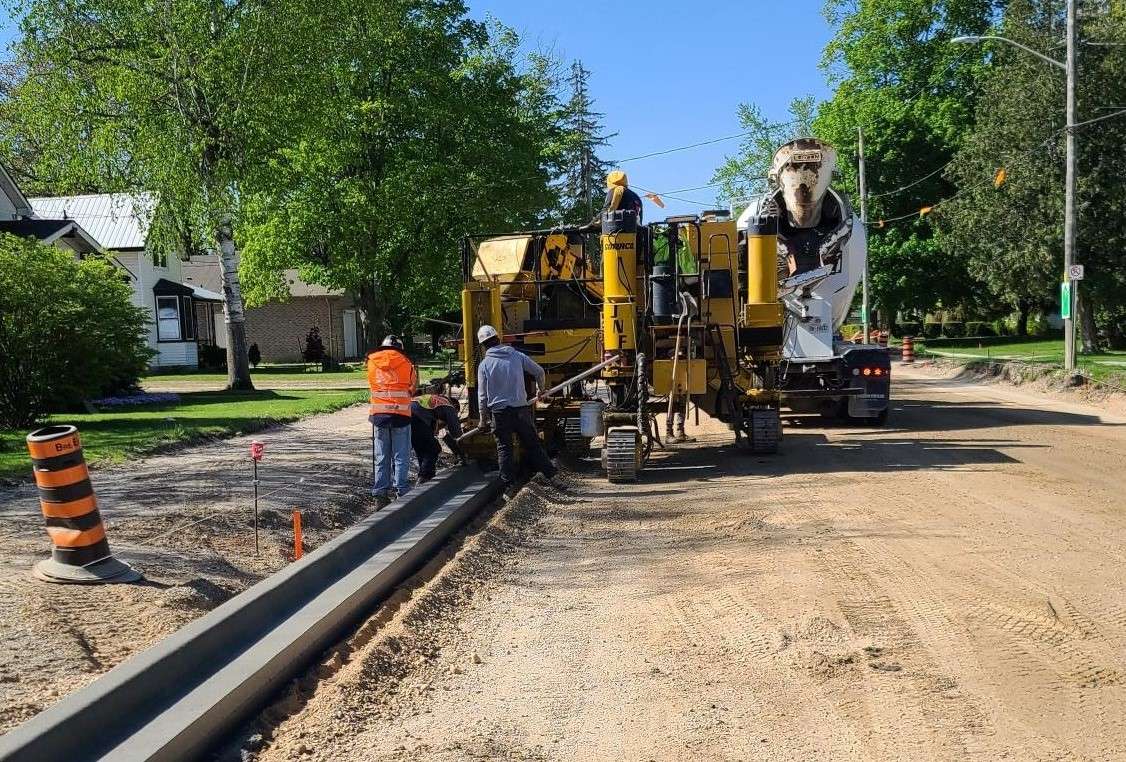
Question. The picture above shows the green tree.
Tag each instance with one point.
(1014, 232)
(743, 176)
(184, 99)
(897, 75)
(1008, 227)
(425, 130)
(68, 331)
(583, 168)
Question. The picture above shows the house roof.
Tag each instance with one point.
(205, 271)
(9, 188)
(50, 231)
(165, 287)
(204, 295)
(115, 220)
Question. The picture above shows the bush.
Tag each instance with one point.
(953, 329)
(254, 355)
(907, 328)
(212, 357)
(314, 348)
(932, 330)
(68, 331)
(980, 328)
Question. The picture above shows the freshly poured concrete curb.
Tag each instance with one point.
(178, 699)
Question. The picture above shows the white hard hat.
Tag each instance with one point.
(392, 341)
(486, 332)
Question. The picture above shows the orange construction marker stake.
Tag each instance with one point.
(298, 542)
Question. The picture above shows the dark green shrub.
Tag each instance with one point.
(254, 355)
(314, 348)
(953, 329)
(932, 330)
(212, 357)
(908, 328)
(68, 331)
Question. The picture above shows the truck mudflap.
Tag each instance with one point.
(869, 370)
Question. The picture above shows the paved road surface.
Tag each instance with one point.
(949, 587)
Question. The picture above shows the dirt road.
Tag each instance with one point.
(949, 587)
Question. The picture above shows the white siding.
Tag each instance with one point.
(176, 353)
(7, 208)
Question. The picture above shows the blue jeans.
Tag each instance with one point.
(392, 445)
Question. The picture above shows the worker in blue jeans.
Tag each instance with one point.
(504, 406)
(393, 380)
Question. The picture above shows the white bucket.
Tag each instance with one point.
(590, 418)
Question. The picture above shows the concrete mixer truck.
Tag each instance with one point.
(822, 248)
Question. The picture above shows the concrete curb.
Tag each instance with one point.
(179, 698)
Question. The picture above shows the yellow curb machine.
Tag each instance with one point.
(676, 312)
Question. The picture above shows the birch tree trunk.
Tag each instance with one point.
(238, 361)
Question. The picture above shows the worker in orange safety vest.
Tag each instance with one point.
(393, 380)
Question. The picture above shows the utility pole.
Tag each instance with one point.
(1069, 196)
(864, 221)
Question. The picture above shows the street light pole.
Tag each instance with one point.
(864, 221)
(1069, 196)
(1069, 66)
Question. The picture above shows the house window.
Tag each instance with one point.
(187, 322)
(168, 318)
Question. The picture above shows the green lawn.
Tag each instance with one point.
(1100, 366)
(109, 437)
(268, 376)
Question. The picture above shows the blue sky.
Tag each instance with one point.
(669, 72)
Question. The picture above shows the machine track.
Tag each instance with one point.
(574, 443)
(764, 430)
(622, 454)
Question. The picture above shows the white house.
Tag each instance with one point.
(17, 218)
(119, 223)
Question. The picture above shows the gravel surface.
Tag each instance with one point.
(948, 587)
(185, 520)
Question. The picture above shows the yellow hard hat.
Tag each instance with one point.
(617, 177)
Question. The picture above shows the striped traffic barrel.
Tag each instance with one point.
(908, 349)
(80, 550)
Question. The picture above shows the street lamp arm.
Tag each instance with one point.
(1037, 53)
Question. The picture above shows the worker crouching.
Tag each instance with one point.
(431, 413)
(504, 406)
(393, 380)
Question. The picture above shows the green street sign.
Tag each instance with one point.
(1065, 300)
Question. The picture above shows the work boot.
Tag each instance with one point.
(382, 501)
(681, 437)
(510, 492)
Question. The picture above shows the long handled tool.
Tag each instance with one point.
(553, 390)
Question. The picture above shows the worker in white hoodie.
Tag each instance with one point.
(504, 406)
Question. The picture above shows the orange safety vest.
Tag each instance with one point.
(392, 379)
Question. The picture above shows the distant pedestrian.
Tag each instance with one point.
(393, 380)
(504, 406)
(429, 414)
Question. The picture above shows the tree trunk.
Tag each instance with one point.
(1088, 333)
(238, 361)
(372, 315)
(1022, 317)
